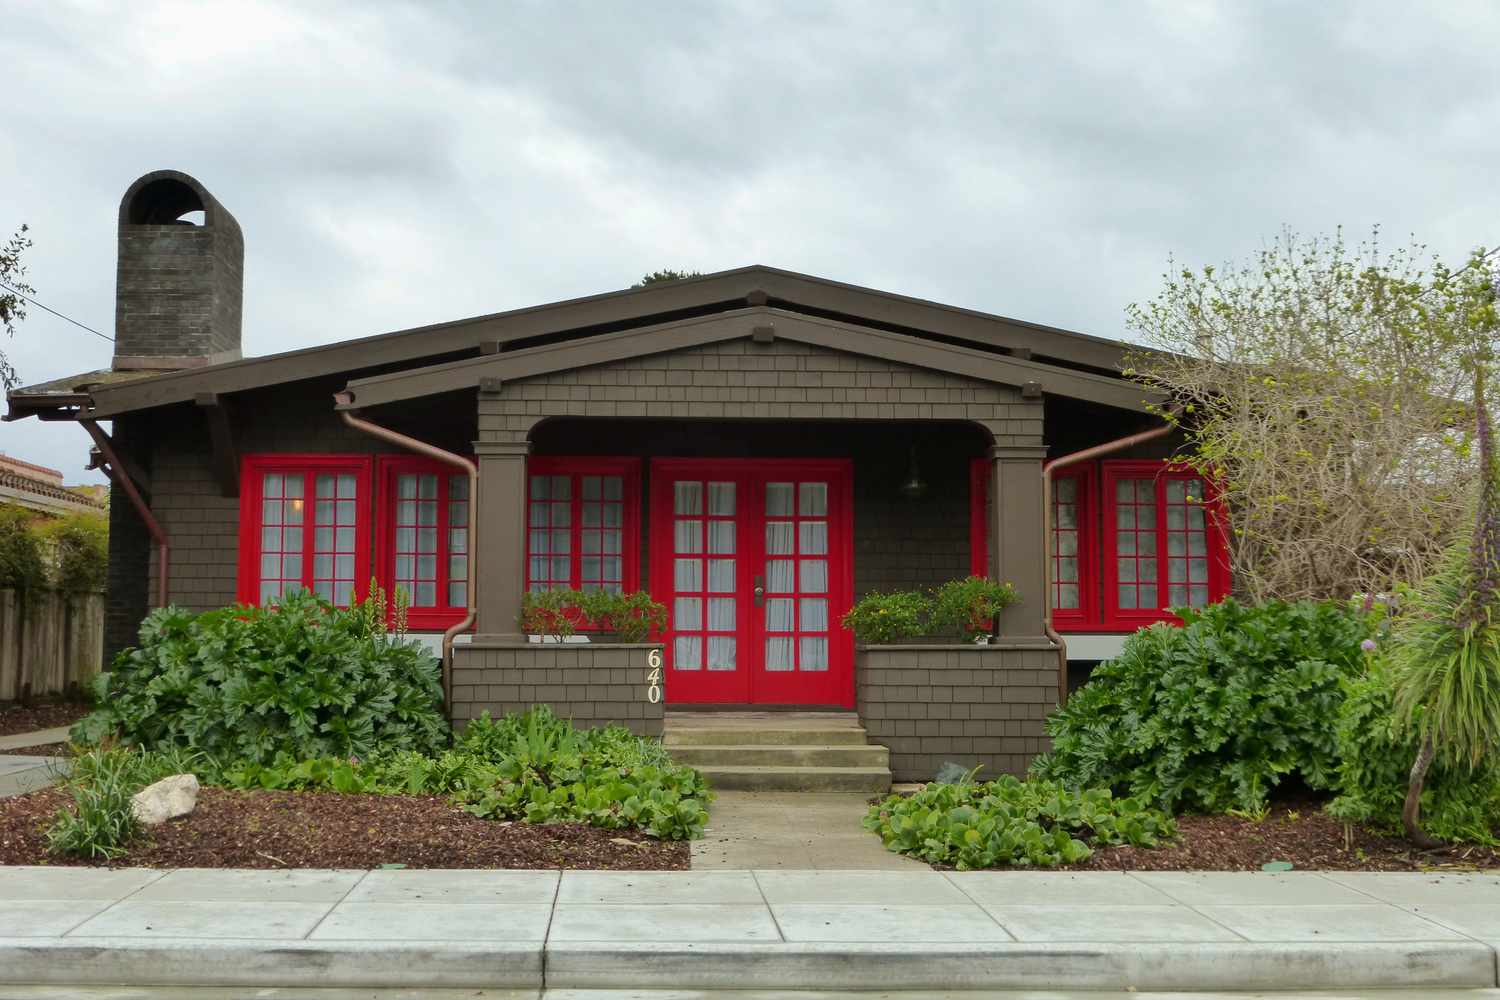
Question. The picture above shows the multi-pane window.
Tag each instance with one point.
(304, 526)
(1067, 548)
(1164, 550)
(580, 519)
(797, 623)
(425, 538)
(1130, 540)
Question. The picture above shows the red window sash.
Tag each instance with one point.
(576, 467)
(1216, 536)
(389, 467)
(1086, 493)
(253, 468)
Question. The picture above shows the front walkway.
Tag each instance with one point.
(23, 773)
(803, 830)
(802, 930)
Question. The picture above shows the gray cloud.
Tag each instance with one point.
(397, 164)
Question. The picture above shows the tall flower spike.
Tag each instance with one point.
(1485, 552)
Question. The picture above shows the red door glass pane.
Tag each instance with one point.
(1187, 544)
(281, 535)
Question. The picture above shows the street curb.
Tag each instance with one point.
(243, 963)
(1155, 966)
(584, 965)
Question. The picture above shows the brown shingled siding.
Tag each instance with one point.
(966, 704)
(743, 380)
(591, 683)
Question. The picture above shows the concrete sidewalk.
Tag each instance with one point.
(802, 930)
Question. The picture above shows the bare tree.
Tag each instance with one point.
(1326, 389)
(12, 302)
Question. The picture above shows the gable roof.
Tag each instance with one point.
(750, 322)
(598, 314)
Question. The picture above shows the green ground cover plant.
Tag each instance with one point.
(300, 678)
(532, 767)
(1212, 716)
(969, 824)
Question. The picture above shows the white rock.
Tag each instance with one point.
(167, 799)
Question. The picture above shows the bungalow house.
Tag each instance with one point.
(756, 448)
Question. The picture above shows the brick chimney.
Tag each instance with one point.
(179, 280)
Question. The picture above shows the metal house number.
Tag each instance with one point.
(653, 676)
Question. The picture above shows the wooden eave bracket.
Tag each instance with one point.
(491, 383)
(764, 334)
(225, 458)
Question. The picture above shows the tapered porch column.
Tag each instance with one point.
(1017, 548)
(501, 527)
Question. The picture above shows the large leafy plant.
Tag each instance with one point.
(1213, 715)
(1009, 822)
(300, 678)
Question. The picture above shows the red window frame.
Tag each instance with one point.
(442, 614)
(253, 469)
(1215, 529)
(577, 467)
(1098, 541)
(1086, 493)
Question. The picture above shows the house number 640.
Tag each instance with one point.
(653, 676)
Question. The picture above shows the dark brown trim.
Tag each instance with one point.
(984, 366)
(225, 457)
(613, 310)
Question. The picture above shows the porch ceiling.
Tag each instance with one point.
(737, 324)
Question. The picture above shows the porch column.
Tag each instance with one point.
(1017, 549)
(501, 529)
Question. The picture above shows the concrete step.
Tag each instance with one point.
(680, 735)
(764, 778)
(760, 755)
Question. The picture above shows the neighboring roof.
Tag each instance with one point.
(740, 324)
(591, 316)
(37, 494)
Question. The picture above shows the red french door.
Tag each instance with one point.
(752, 559)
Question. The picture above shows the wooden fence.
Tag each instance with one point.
(50, 642)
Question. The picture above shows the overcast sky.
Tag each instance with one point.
(399, 164)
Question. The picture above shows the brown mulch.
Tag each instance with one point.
(39, 715)
(232, 829)
(41, 750)
(1305, 836)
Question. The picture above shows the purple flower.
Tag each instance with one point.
(1368, 645)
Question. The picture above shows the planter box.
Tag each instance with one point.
(968, 704)
(591, 683)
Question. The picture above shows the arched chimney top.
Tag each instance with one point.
(162, 197)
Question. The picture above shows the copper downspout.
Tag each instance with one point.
(122, 479)
(1087, 454)
(433, 452)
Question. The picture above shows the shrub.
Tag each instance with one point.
(533, 767)
(632, 617)
(300, 678)
(80, 545)
(22, 564)
(1008, 822)
(967, 608)
(1213, 715)
(1375, 754)
(877, 619)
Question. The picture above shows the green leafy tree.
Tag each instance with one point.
(666, 274)
(12, 303)
(1325, 387)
